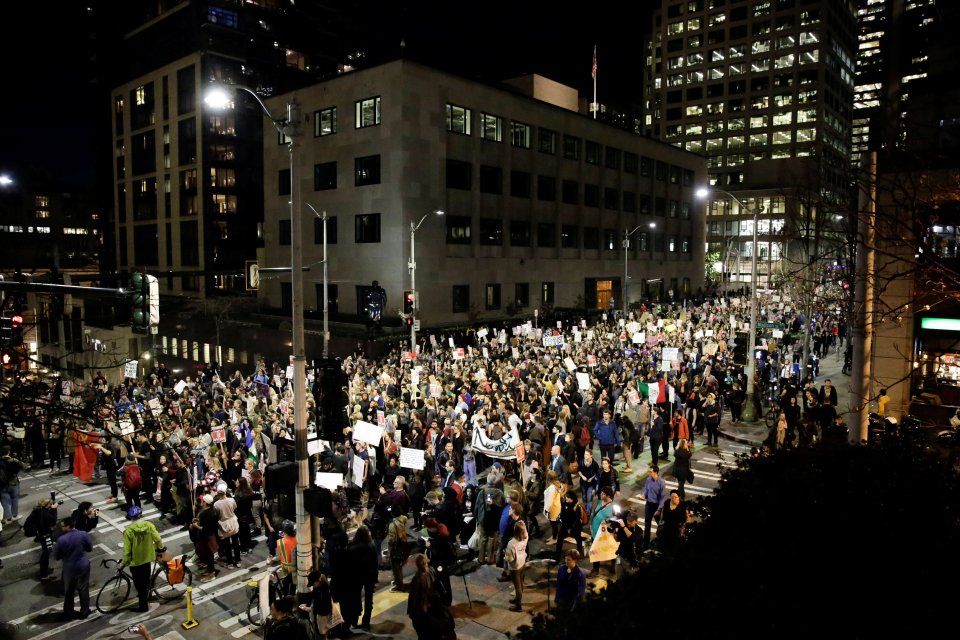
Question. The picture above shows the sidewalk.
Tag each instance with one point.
(754, 433)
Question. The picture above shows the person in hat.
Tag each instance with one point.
(228, 526)
(141, 544)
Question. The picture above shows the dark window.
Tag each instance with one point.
(675, 96)
(145, 244)
(630, 201)
(645, 204)
(519, 184)
(611, 198)
(674, 209)
(519, 233)
(331, 230)
(491, 231)
(522, 294)
(367, 170)
(644, 243)
(548, 141)
(694, 93)
(458, 175)
(737, 32)
(491, 179)
(458, 230)
(189, 244)
(646, 166)
(546, 293)
(547, 188)
(325, 176)
(593, 151)
(546, 234)
(661, 171)
(660, 206)
(612, 158)
(591, 195)
(284, 237)
(571, 147)
(366, 228)
(569, 237)
(687, 177)
(186, 91)
(461, 298)
(333, 298)
(492, 298)
(283, 182)
(658, 242)
(630, 162)
(685, 210)
(570, 192)
(591, 237)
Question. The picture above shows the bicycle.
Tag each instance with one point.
(116, 590)
(278, 588)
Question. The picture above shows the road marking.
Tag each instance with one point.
(242, 631)
(229, 622)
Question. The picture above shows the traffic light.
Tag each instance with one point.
(11, 330)
(146, 302)
(408, 299)
(740, 348)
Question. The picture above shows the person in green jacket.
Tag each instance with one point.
(141, 544)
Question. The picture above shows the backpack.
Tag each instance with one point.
(134, 512)
(131, 477)
(584, 436)
(583, 514)
(175, 570)
(30, 525)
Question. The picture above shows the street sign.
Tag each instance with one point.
(416, 324)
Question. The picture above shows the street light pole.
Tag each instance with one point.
(626, 275)
(749, 414)
(412, 266)
(289, 127)
(326, 294)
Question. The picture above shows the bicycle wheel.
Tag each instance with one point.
(113, 594)
(254, 615)
(771, 418)
(164, 590)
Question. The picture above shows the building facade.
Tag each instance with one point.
(764, 90)
(537, 198)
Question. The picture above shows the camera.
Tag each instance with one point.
(134, 628)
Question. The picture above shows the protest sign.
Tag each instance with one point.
(329, 480)
(218, 434)
(411, 458)
(583, 380)
(366, 432)
(130, 369)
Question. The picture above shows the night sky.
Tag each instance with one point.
(50, 104)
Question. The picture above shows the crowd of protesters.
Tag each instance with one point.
(583, 399)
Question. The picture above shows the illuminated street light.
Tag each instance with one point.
(412, 265)
(748, 408)
(220, 97)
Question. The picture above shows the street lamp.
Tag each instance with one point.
(412, 265)
(326, 295)
(289, 127)
(748, 407)
(626, 275)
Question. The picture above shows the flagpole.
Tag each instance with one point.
(594, 74)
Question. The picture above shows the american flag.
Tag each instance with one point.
(593, 71)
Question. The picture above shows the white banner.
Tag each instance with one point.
(329, 480)
(504, 448)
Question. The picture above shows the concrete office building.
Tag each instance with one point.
(537, 198)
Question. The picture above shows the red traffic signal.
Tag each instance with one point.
(16, 321)
(408, 301)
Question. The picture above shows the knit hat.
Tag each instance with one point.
(130, 459)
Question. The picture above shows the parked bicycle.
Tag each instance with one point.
(277, 588)
(116, 590)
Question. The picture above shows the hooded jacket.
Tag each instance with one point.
(141, 541)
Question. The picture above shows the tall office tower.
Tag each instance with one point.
(764, 89)
(188, 180)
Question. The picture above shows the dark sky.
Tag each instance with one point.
(50, 105)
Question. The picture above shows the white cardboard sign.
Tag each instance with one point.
(411, 458)
(366, 432)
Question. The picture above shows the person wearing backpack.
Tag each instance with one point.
(132, 482)
(39, 526)
(398, 546)
(10, 469)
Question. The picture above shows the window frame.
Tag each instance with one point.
(362, 111)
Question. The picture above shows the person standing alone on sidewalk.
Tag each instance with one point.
(72, 548)
(141, 544)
